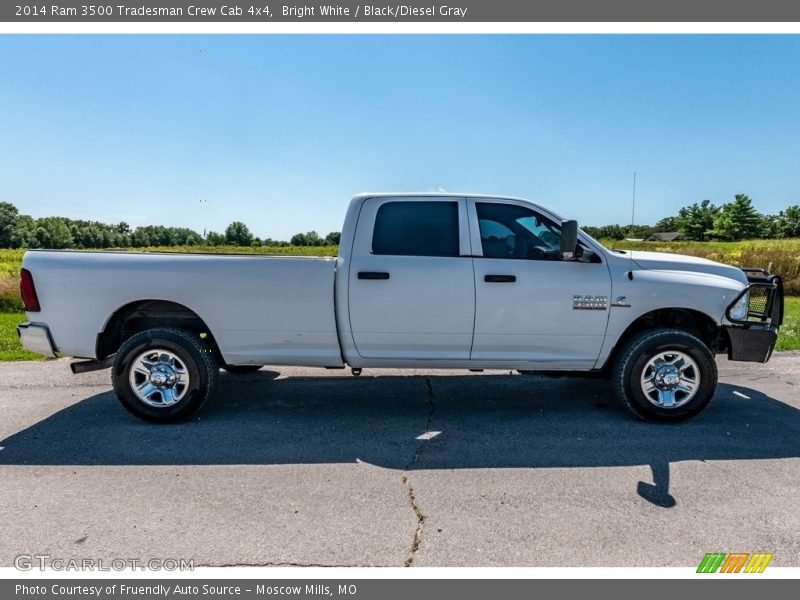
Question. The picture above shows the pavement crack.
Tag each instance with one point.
(417, 541)
(431, 402)
(412, 494)
(429, 385)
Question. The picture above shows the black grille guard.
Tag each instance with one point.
(765, 302)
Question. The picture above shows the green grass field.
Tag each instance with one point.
(784, 255)
(789, 338)
(10, 348)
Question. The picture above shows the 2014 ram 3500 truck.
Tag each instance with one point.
(438, 281)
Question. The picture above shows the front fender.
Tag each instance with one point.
(650, 291)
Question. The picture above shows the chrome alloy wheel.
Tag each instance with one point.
(670, 379)
(159, 378)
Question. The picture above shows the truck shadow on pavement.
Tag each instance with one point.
(415, 422)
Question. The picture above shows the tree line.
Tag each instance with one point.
(23, 231)
(735, 220)
(701, 221)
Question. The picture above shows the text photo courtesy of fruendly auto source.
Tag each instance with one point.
(399, 301)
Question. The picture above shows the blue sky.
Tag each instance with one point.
(280, 131)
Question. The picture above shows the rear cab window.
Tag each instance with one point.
(416, 229)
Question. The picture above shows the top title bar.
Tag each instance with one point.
(424, 11)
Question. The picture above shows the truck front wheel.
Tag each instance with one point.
(665, 375)
(164, 375)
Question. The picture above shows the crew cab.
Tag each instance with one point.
(421, 281)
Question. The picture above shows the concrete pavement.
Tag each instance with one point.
(427, 468)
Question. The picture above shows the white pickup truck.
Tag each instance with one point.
(421, 281)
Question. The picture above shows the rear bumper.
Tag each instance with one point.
(754, 338)
(35, 337)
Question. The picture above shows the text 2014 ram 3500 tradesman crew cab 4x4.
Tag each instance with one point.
(438, 281)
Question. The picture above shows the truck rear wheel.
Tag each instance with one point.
(163, 375)
(665, 375)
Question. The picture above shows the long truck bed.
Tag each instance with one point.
(261, 309)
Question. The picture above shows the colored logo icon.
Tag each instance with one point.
(736, 562)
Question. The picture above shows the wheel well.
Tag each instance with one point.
(147, 314)
(693, 321)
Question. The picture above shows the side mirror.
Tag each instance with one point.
(569, 239)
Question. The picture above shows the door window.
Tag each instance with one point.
(512, 231)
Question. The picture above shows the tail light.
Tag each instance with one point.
(28, 291)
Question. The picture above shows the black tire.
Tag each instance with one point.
(197, 367)
(241, 369)
(635, 358)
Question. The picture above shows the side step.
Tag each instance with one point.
(84, 366)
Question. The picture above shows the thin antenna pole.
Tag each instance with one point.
(633, 202)
(633, 221)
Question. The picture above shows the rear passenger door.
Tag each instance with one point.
(411, 283)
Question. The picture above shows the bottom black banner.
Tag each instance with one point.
(384, 589)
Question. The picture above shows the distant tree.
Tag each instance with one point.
(310, 238)
(608, 232)
(182, 236)
(666, 224)
(787, 222)
(9, 215)
(271, 242)
(86, 236)
(158, 235)
(141, 237)
(591, 230)
(94, 234)
(333, 238)
(770, 226)
(697, 220)
(638, 231)
(237, 234)
(215, 239)
(313, 239)
(23, 234)
(738, 220)
(52, 232)
(151, 235)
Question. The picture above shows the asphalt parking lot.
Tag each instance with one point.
(432, 468)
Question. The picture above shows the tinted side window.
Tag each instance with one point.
(416, 229)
